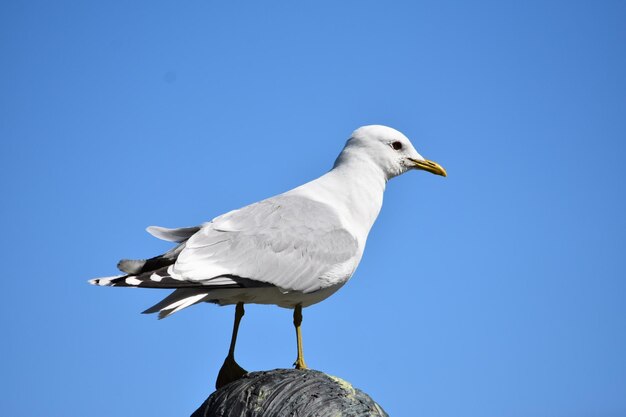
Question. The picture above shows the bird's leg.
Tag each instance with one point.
(231, 371)
(297, 321)
(239, 312)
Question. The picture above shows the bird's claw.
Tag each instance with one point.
(300, 364)
(229, 372)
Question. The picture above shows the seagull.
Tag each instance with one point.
(291, 250)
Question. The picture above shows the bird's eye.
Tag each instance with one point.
(396, 145)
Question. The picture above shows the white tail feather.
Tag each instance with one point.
(188, 302)
(177, 300)
(172, 235)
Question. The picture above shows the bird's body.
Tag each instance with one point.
(301, 249)
(291, 250)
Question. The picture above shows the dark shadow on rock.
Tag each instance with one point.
(289, 392)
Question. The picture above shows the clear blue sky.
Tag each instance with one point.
(498, 291)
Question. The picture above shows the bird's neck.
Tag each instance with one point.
(355, 189)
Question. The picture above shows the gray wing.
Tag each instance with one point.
(292, 242)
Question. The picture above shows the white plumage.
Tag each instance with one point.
(293, 249)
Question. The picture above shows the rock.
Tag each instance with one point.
(289, 392)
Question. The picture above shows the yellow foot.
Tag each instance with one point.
(300, 364)
(230, 371)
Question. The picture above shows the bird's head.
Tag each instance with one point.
(388, 149)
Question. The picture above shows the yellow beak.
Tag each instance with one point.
(429, 166)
